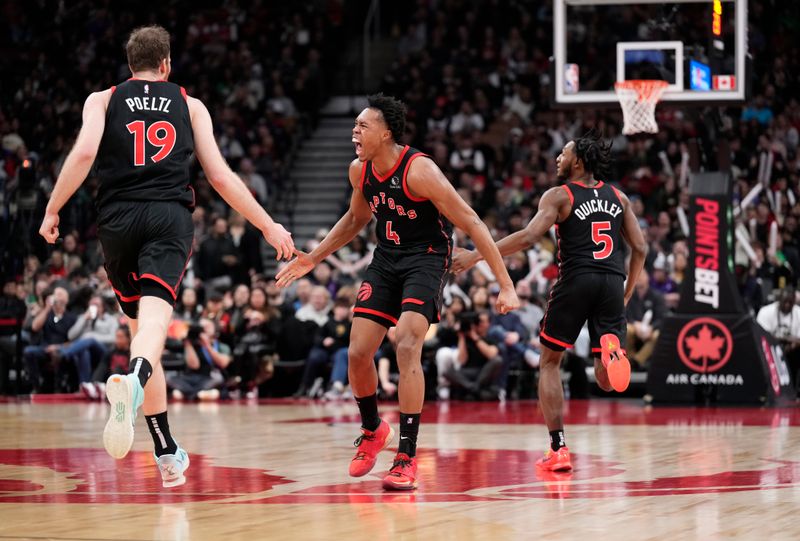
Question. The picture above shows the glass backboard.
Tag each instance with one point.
(698, 46)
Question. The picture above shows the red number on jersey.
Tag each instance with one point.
(391, 235)
(160, 134)
(601, 239)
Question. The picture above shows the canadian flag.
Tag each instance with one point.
(724, 82)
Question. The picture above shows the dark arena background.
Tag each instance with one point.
(703, 445)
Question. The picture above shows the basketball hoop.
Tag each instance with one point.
(638, 99)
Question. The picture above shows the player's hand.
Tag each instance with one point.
(507, 300)
(464, 259)
(49, 229)
(280, 239)
(389, 388)
(297, 268)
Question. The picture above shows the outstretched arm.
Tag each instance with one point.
(551, 206)
(78, 162)
(425, 180)
(632, 234)
(348, 226)
(229, 185)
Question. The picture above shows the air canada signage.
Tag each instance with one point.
(724, 358)
(711, 350)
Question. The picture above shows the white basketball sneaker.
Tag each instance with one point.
(172, 468)
(125, 394)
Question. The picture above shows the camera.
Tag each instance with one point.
(466, 320)
(195, 330)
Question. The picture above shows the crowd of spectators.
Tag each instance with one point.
(474, 79)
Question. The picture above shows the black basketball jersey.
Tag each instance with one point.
(590, 239)
(405, 222)
(147, 144)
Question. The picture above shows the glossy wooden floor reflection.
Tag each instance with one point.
(278, 470)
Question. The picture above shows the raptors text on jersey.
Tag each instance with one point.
(405, 222)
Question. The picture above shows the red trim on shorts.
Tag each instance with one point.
(185, 265)
(183, 93)
(378, 313)
(158, 280)
(569, 194)
(113, 89)
(393, 169)
(405, 182)
(363, 176)
(555, 341)
(448, 240)
(8, 322)
(619, 195)
(412, 301)
(123, 298)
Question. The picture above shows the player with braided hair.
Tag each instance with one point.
(591, 220)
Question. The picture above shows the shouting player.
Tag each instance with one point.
(143, 133)
(414, 204)
(591, 219)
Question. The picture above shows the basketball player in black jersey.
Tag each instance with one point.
(142, 134)
(592, 219)
(414, 204)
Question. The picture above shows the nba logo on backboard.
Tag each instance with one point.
(571, 78)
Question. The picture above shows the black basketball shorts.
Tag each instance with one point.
(596, 297)
(147, 245)
(401, 282)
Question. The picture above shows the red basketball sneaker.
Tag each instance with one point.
(403, 474)
(555, 460)
(615, 361)
(369, 444)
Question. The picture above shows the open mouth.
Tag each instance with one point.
(359, 147)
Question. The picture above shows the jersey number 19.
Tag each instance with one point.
(160, 134)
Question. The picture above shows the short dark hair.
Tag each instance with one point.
(342, 302)
(147, 46)
(594, 153)
(393, 111)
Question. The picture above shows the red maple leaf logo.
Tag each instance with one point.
(705, 346)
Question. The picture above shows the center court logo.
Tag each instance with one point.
(89, 476)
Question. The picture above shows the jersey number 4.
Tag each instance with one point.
(160, 134)
(605, 242)
(391, 235)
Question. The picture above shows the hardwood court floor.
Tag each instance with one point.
(278, 470)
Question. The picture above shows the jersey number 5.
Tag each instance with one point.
(601, 239)
(160, 134)
(392, 235)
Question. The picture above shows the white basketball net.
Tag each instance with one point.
(638, 99)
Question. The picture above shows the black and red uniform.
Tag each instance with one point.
(145, 199)
(410, 263)
(591, 270)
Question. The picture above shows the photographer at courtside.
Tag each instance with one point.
(478, 357)
(206, 357)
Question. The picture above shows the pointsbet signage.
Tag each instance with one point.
(711, 350)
